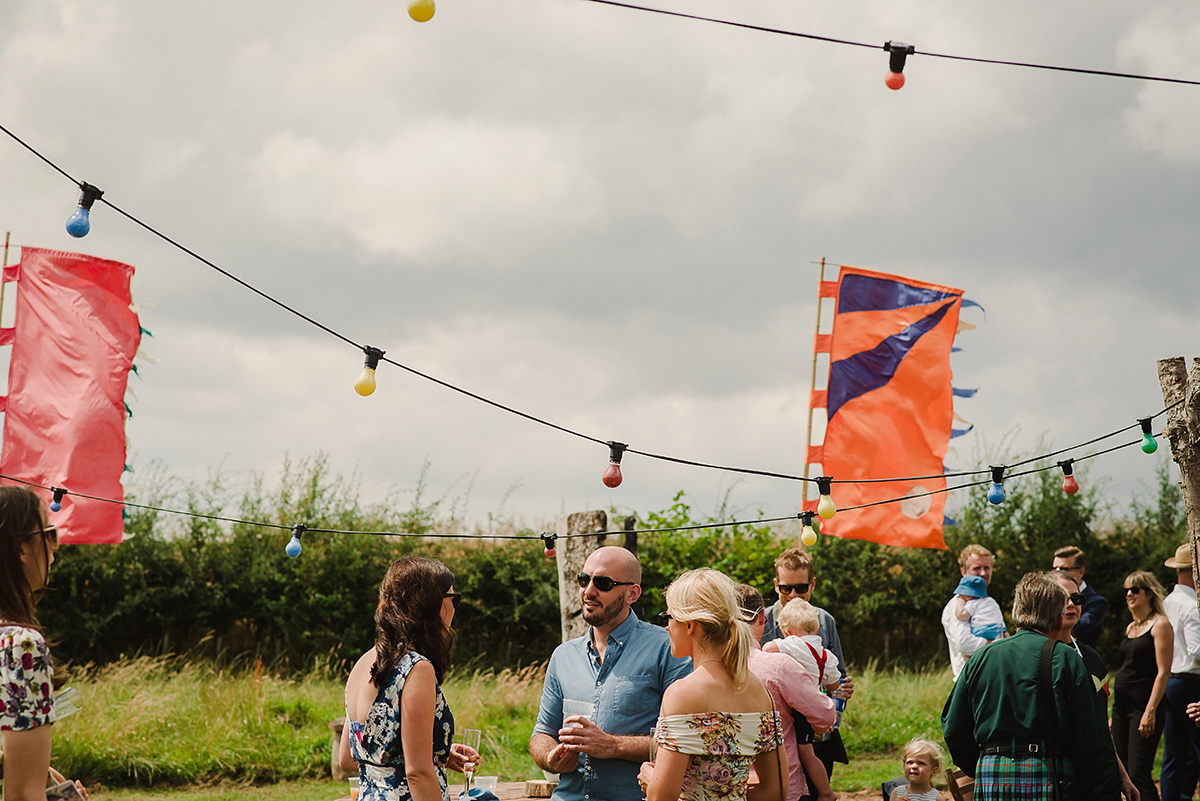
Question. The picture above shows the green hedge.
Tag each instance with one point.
(229, 591)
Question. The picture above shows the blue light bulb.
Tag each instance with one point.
(55, 506)
(996, 493)
(78, 224)
(293, 547)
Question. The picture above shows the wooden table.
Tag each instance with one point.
(515, 791)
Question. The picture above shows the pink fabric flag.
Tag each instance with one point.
(73, 342)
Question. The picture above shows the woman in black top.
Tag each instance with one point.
(1141, 681)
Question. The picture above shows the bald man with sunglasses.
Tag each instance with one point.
(603, 690)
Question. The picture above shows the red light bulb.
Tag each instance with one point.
(898, 53)
(548, 540)
(612, 475)
(1070, 485)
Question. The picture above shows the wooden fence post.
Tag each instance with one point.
(572, 551)
(1183, 432)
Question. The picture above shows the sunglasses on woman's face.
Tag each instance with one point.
(454, 597)
(50, 533)
(1075, 598)
(602, 583)
(1134, 590)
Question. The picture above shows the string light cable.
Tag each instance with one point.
(889, 45)
(547, 538)
(374, 355)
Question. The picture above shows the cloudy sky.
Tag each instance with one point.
(608, 219)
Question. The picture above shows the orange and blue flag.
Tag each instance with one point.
(889, 405)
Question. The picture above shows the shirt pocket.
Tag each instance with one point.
(632, 706)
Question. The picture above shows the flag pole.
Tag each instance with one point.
(7, 234)
(812, 383)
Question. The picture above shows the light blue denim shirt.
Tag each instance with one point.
(626, 692)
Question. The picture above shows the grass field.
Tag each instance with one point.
(154, 727)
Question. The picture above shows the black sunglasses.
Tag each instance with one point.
(798, 589)
(1134, 590)
(454, 597)
(1075, 598)
(603, 583)
(665, 617)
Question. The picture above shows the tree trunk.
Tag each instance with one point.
(1181, 394)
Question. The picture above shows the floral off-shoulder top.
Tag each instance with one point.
(721, 747)
(26, 687)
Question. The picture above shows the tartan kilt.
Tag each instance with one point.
(1025, 778)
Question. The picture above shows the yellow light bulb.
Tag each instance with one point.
(421, 10)
(808, 536)
(365, 383)
(826, 507)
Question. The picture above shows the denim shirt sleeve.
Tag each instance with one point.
(550, 717)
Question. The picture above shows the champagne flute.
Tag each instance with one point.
(470, 738)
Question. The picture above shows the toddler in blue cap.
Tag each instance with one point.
(978, 610)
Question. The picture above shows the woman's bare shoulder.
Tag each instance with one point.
(699, 693)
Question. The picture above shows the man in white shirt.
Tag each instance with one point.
(1181, 737)
(975, 560)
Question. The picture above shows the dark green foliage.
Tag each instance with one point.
(194, 585)
(744, 553)
(232, 592)
(509, 612)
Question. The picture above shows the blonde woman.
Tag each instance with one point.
(718, 721)
(1141, 681)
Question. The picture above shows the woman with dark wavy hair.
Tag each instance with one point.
(27, 675)
(399, 732)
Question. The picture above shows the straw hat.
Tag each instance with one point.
(1182, 560)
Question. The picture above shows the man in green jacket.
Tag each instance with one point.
(995, 724)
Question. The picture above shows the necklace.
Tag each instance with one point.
(1137, 624)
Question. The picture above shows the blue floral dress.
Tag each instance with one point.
(26, 690)
(721, 747)
(376, 744)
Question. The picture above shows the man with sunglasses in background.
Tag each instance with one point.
(795, 578)
(603, 690)
(1073, 560)
(1181, 738)
(974, 560)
